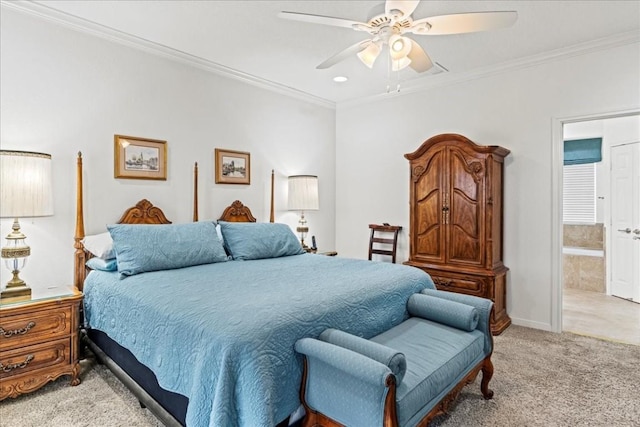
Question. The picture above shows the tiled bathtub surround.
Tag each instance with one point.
(583, 236)
(583, 257)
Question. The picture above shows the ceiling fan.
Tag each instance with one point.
(388, 25)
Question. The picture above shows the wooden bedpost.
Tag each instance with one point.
(195, 192)
(271, 215)
(80, 257)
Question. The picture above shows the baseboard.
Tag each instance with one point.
(531, 324)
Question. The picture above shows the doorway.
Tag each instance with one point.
(583, 300)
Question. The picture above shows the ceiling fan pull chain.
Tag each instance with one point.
(388, 73)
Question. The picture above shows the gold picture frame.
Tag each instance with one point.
(232, 167)
(140, 158)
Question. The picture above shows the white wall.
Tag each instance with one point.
(513, 109)
(63, 91)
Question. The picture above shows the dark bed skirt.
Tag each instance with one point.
(173, 403)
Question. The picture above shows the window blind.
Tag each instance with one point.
(581, 151)
(579, 193)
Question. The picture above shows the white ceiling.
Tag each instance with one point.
(248, 37)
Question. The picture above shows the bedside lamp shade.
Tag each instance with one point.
(303, 196)
(303, 193)
(25, 191)
(25, 180)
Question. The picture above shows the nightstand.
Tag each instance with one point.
(39, 340)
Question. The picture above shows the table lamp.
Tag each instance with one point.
(25, 191)
(303, 196)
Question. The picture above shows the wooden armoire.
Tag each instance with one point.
(456, 218)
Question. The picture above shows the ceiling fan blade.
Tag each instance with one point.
(344, 54)
(405, 6)
(460, 23)
(324, 20)
(420, 61)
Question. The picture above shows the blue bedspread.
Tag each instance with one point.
(223, 334)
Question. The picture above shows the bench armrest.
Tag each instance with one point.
(342, 384)
(394, 359)
(483, 305)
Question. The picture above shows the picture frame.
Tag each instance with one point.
(140, 158)
(232, 167)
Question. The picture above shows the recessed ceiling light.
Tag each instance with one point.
(340, 79)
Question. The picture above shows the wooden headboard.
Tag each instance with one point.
(144, 212)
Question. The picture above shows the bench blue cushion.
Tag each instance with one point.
(438, 357)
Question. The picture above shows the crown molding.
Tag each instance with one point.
(410, 87)
(120, 37)
(449, 79)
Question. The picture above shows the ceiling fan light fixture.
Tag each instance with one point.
(369, 55)
(399, 47)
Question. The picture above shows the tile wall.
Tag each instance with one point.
(585, 272)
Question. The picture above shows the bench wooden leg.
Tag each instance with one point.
(487, 373)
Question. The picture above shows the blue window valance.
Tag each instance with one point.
(582, 151)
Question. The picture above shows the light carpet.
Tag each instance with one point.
(541, 379)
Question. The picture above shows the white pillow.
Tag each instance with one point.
(100, 245)
(219, 232)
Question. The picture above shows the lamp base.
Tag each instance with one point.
(15, 293)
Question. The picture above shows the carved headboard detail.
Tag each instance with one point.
(237, 212)
(144, 213)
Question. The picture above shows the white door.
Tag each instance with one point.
(625, 221)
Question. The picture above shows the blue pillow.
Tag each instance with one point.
(446, 312)
(141, 248)
(252, 240)
(96, 263)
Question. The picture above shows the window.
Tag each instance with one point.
(579, 194)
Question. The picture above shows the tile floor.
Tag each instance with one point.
(599, 315)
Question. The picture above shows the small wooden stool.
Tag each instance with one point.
(384, 228)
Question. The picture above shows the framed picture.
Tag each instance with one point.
(232, 167)
(140, 158)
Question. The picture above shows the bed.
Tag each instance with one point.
(212, 344)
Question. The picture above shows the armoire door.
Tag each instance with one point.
(430, 189)
(465, 207)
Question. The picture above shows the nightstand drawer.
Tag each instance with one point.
(37, 326)
(25, 359)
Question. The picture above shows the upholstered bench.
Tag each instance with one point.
(405, 376)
